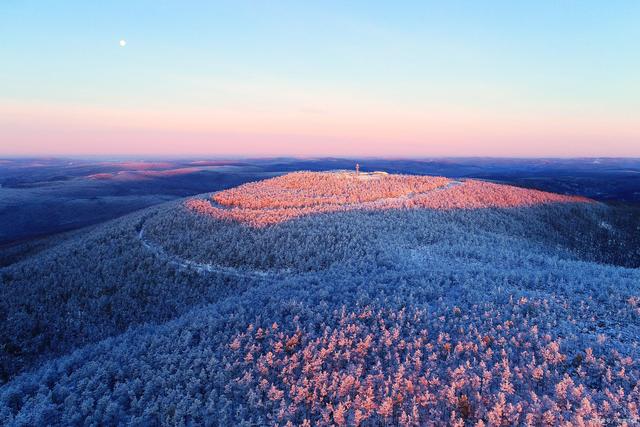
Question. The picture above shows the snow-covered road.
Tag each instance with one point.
(206, 268)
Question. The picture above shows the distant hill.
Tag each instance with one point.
(331, 298)
(40, 197)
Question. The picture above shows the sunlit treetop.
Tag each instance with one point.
(304, 193)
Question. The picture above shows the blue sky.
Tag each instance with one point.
(310, 78)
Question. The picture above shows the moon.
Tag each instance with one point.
(123, 43)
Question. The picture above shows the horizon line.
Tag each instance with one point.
(293, 157)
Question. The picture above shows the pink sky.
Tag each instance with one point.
(39, 129)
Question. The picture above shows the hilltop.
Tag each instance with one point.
(44, 196)
(331, 298)
(306, 193)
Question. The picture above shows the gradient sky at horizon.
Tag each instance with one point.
(237, 78)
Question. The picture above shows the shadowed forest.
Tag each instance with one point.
(337, 213)
(331, 298)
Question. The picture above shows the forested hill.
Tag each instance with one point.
(331, 298)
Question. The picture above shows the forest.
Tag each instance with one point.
(475, 304)
(308, 193)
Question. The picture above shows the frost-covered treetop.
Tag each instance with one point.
(303, 193)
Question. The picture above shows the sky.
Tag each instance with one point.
(419, 78)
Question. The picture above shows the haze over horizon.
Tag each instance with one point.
(245, 79)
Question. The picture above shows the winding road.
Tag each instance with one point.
(207, 268)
